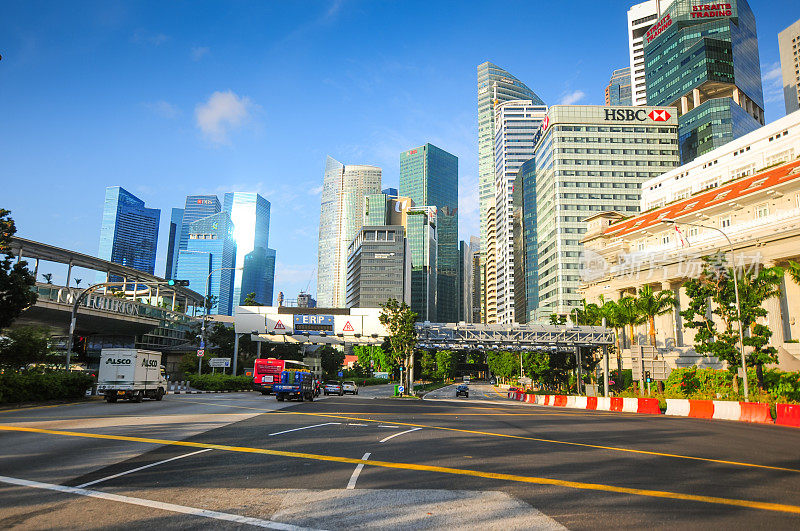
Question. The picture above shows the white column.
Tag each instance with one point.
(668, 321)
(774, 316)
(684, 104)
(69, 272)
(695, 98)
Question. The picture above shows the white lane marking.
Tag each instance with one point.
(303, 428)
(204, 513)
(354, 424)
(401, 433)
(141, 468)
(352, 483)
(387, 426)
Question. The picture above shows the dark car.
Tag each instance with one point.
(333, 387)
(462, 390)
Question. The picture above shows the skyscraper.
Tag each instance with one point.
(429, 176)
(703, 59)
(640, 18)
(495, 85)
(628, 146)
(340, 219)
(209, 258)
(378, 267)
(618, 91)
(516, 124)
(250, 216)
(475, 280)
(129, 231)
(175, 221)
(421, 232)
(529, 246)
(789, 48)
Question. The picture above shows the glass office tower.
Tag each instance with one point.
(527, 249)
(591, 159)
(703, 60)
(495, 85)
(196, 207)
(429, 176)
(129, 231)
(421, 232)
(340, 219)
(175, 220)
(618, 91)
(208, 260)
(250, 217)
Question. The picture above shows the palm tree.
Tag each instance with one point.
(794, 271)
(78, 282)
(651, 304)
(48, 277)
(628, 314)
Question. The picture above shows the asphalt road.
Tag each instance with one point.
(242, 460)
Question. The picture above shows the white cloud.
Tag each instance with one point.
(316, 190)
(773, 72)
(222, 113)
(572, 97)
(163, 108)
(291, 278)
(773, 83)
(198, 52)
(142, 36)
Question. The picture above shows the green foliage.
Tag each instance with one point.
(445, 364)
(427, 365)
(556, 319)
(15, 279)
(503, 364)
(250, 300)
(399, 320)
(331, 359)
(384, 361)
(651, 304)
(33, 386)
(220, 382)
(20, 347)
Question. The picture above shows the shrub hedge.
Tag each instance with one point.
(220, 382)
(34, 386)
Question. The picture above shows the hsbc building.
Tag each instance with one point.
(590, 159)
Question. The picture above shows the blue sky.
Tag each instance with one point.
(169, 99)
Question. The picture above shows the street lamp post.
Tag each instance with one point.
(735, 291)
(205, 314)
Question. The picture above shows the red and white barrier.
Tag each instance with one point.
(627, 405)
(788, 414)
(720, 410)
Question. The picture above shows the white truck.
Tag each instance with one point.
(131, 373)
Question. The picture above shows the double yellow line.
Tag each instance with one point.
(778, 507)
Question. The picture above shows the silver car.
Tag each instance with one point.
(350, 387)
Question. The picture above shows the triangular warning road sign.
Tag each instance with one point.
(279, 326)
(348, 327)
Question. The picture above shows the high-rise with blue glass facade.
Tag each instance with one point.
(250, 216)
(429, 176)
(175, 221)
(209, 258)
(129, 231)
(703, 59)
(618, 91)
(526, 255)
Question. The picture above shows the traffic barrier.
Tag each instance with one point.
(648, 405)
(560, 400)
(603, 403)
(591, 402)
(701, 409)
(630, 405)
(579, 402)
(616, 403)
(548, 400)
(726, 410)
(571, 402)
(755, 412)
(788, 415)
(678, 407)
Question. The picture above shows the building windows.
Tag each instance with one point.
(762, 211)
(724, 221)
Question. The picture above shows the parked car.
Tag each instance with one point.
(333, 387)
(462, 390)
(349, 387)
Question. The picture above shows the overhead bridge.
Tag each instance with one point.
(505, 337)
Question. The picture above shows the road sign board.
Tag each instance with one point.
(341, 374)
(401, 388)
(219, 362)
(200, 353)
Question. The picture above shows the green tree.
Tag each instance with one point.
(399, 321)
(755, 288)
(651, 304)
(556, 319)
(628, 315)
(427, 365)
(794, 271)
(331, 360)
(503, 364)
(445, 364)
(15, 280)
(250, 300)
(23, 346)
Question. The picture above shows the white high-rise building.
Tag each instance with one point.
(340, 219)
(640, 18)
(516, 123)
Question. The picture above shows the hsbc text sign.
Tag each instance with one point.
(637, 115)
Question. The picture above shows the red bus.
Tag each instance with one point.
(268, 371)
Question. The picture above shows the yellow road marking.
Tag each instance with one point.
(767, 506)
(537, 439)
(39, 407)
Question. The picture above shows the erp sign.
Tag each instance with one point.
(313, 324)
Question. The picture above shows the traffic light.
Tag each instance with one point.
(647, 376)
(173, 282)
(80, 346)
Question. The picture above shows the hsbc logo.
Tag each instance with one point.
(639, 115)
(659, 115)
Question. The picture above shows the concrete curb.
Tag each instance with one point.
(197, 392)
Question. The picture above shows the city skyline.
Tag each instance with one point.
(220, 136)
